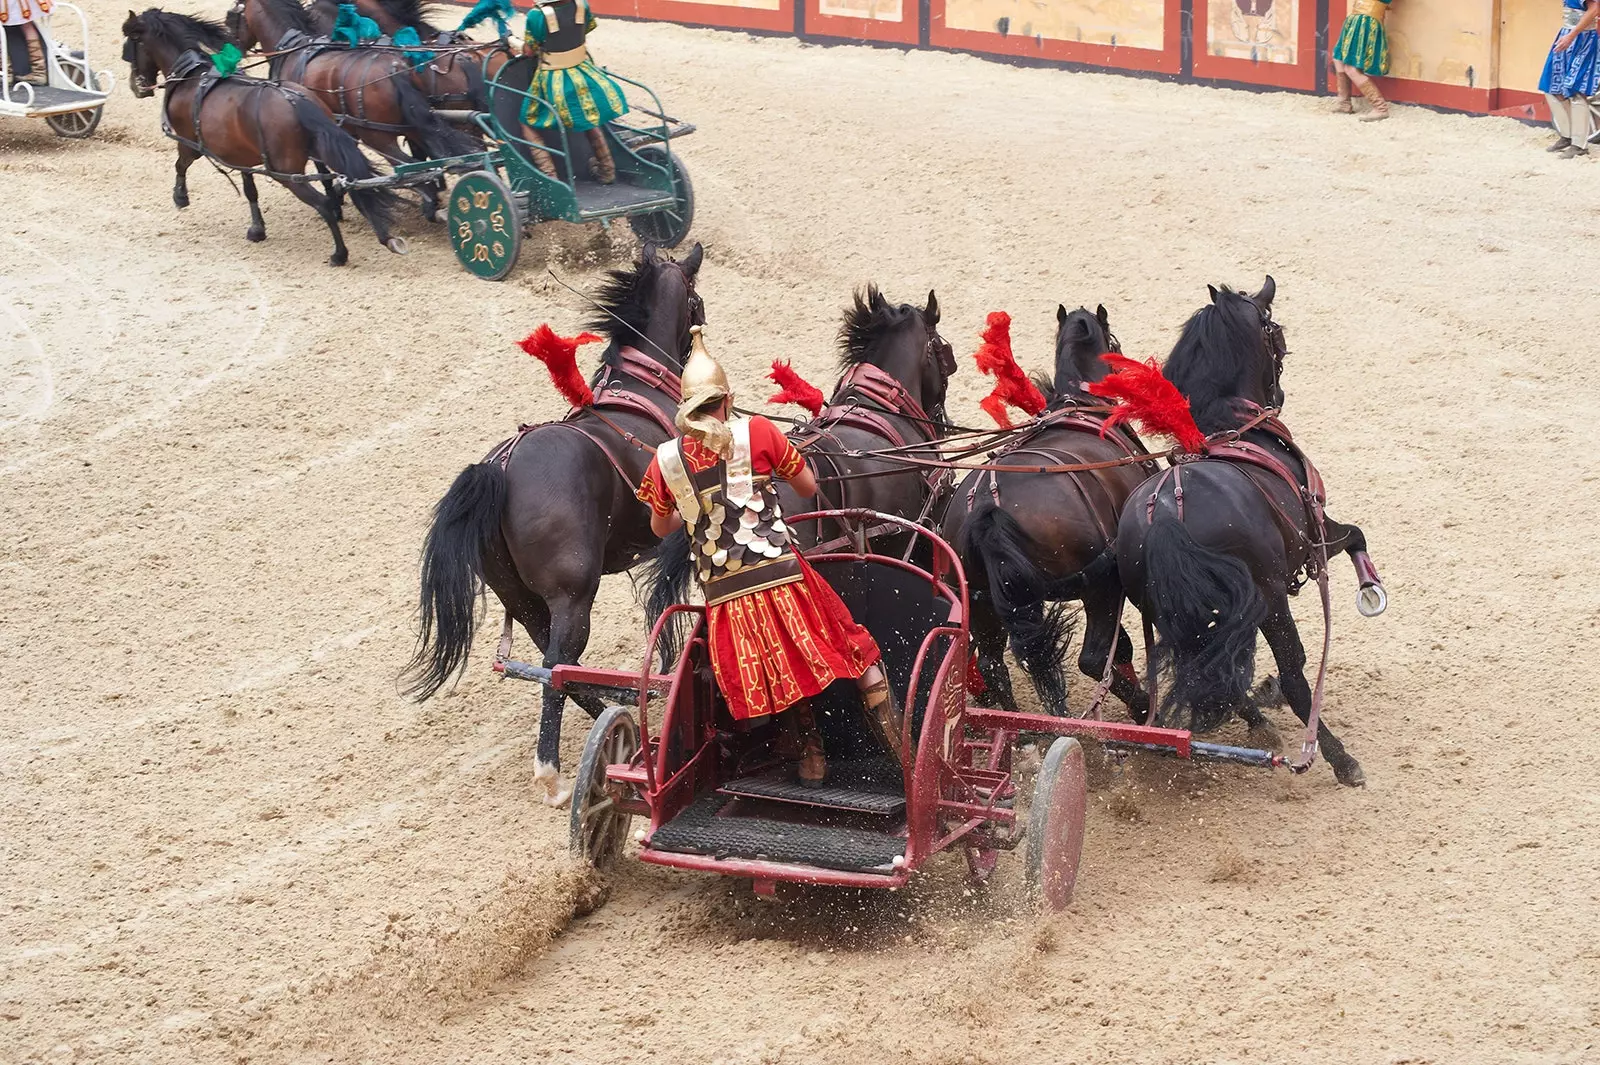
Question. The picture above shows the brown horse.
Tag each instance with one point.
(1210, 550)
(896, 369)
(551, 510)
(370, 88)
(454, 78)
(247, 124)
(1036, 541)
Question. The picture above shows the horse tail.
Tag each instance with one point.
(1206, 610)
(1020, 593)
(661, 581)
(464, 522)
(436, 138)
(338, 151)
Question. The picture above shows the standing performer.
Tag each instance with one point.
(778, 633)
(1362, 54)
(570, 90)
(20, 14)
(1571, 76)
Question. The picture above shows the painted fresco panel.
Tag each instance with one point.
(1262, 31)
(886, 10)
(1449, 43)
(1121, 23)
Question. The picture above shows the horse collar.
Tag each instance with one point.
(650, 371)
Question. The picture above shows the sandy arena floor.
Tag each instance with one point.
(227, 839)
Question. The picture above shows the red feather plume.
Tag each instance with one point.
(1011, 385)
(794, 388)
(560, 356)
(1144, 395)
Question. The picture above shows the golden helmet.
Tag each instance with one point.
(702, 374)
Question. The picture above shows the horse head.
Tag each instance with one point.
(152, 42)
(904, 342)
(1082, 336)
(650, 306)
(1229, 350)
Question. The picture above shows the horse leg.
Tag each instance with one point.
(258, 226)
(989, 641)
(569, 635)
(1284, 639)
(430, 191)
(335, 199)
(319, 203)
(180, 183)
(1371, 599)
(1101, 610)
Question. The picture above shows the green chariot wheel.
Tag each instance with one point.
(485, 225)
(667, 227)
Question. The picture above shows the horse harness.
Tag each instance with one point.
(610, 395)
(185, 68)
(293, 56)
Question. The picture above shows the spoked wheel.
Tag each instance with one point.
(667, 227)
(1055, 824)
(75, 125)
(485, 226)
(599, 824)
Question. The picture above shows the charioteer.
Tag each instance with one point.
(568, 89)
(778, 634)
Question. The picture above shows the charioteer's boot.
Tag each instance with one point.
(813, 768)
(882, 714)
(1380, 106)
(605, 167)
(37, 73)
(1344, 106)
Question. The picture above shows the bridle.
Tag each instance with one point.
(1277, 347)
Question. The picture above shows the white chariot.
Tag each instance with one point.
(71, 100)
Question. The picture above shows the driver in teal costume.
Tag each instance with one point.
(569, 89)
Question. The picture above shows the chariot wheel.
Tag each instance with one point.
(599, 824)
(667, 227)
(75, 125)
(1055, 824)
(485, 225)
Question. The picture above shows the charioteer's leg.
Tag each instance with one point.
(38, 72)
(1344, 106)
(882, 714)
(605, 167)
(813, 763)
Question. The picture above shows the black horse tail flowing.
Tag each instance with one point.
(1020, 593)
(1206, 610)
(662, 581)
(338, 151)
(432, 135)
(464, 522)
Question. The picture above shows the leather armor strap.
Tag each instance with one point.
(669, 457)
(756, 578)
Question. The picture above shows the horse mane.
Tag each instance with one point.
(624, 301)
(1081, 327)
(412, 13)
(865, 324)
(181, 32)
(1220, 349)
(292, 13)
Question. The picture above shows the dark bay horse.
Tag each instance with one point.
(895, 370)
(1036, 541)
(371, 89)
(453, 78)
(549, 511)
(247, 124)
(1211, 550)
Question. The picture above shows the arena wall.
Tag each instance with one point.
(1469, 55)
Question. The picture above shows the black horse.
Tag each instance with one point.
(1035, 541)
(895, 370)
(551, 510)
(1211, 550)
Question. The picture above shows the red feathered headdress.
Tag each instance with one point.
(1011, 385)
(795, 389)
(1144, 395)
(560, 356)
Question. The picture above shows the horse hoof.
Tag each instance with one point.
(397, 245)
(1351, 775)
(338, 258)
(254, 235)
(557, 792)
(180, 201)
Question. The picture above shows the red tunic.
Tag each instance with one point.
(772, 648)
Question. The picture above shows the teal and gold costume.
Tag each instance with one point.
(1363, 44)
(572, 91)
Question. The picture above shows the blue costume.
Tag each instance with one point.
(1570, 78)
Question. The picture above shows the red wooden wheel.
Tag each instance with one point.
(1055, 824)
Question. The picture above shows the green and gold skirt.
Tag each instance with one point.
(1363, 44)
(578, 97)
